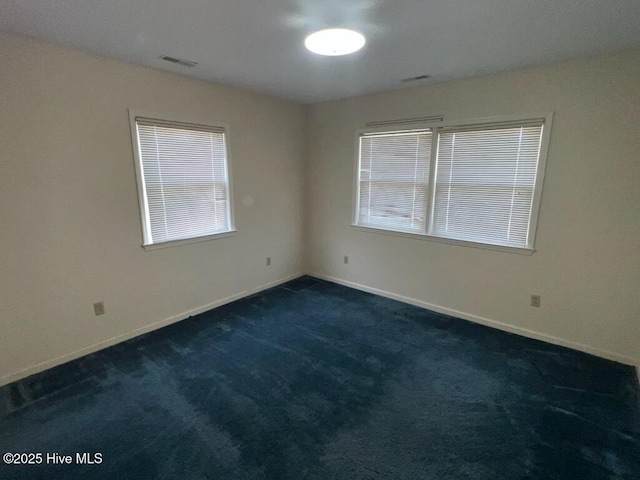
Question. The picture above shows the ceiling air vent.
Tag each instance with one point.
(179, 61)
(413, 79)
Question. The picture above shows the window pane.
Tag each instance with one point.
(484, 185)
(185, 181)
(393, 176)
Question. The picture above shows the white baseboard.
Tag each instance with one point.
(40, 367)
(54, 362)
(488, 322)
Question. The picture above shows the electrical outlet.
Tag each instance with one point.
(535, 301)
(268, 261)
(346, 259)
(98, 308)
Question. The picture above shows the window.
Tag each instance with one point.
(183, 180)
(475, 183)
(394, 172)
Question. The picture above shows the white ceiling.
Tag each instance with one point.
(258, 44)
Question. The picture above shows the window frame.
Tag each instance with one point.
(140, 181)
(435, 126)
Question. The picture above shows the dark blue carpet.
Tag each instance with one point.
(312, 380)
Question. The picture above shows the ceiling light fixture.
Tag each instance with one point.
(335, 41)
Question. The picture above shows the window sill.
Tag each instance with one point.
(185, 241)
(450, 241)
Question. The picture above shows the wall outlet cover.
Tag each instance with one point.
(98, 308)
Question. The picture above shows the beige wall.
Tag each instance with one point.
(71, 230)
(587, 264)
(69, 214)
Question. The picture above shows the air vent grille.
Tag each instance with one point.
(179, 61)
(413, 79)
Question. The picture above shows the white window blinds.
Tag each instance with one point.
(184, 176)
(393, 180)
(473, 182)
(484, 184)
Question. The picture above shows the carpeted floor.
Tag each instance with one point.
(312, 380)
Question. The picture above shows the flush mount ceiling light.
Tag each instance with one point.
(335, 42)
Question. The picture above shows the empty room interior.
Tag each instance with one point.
(298, 239)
